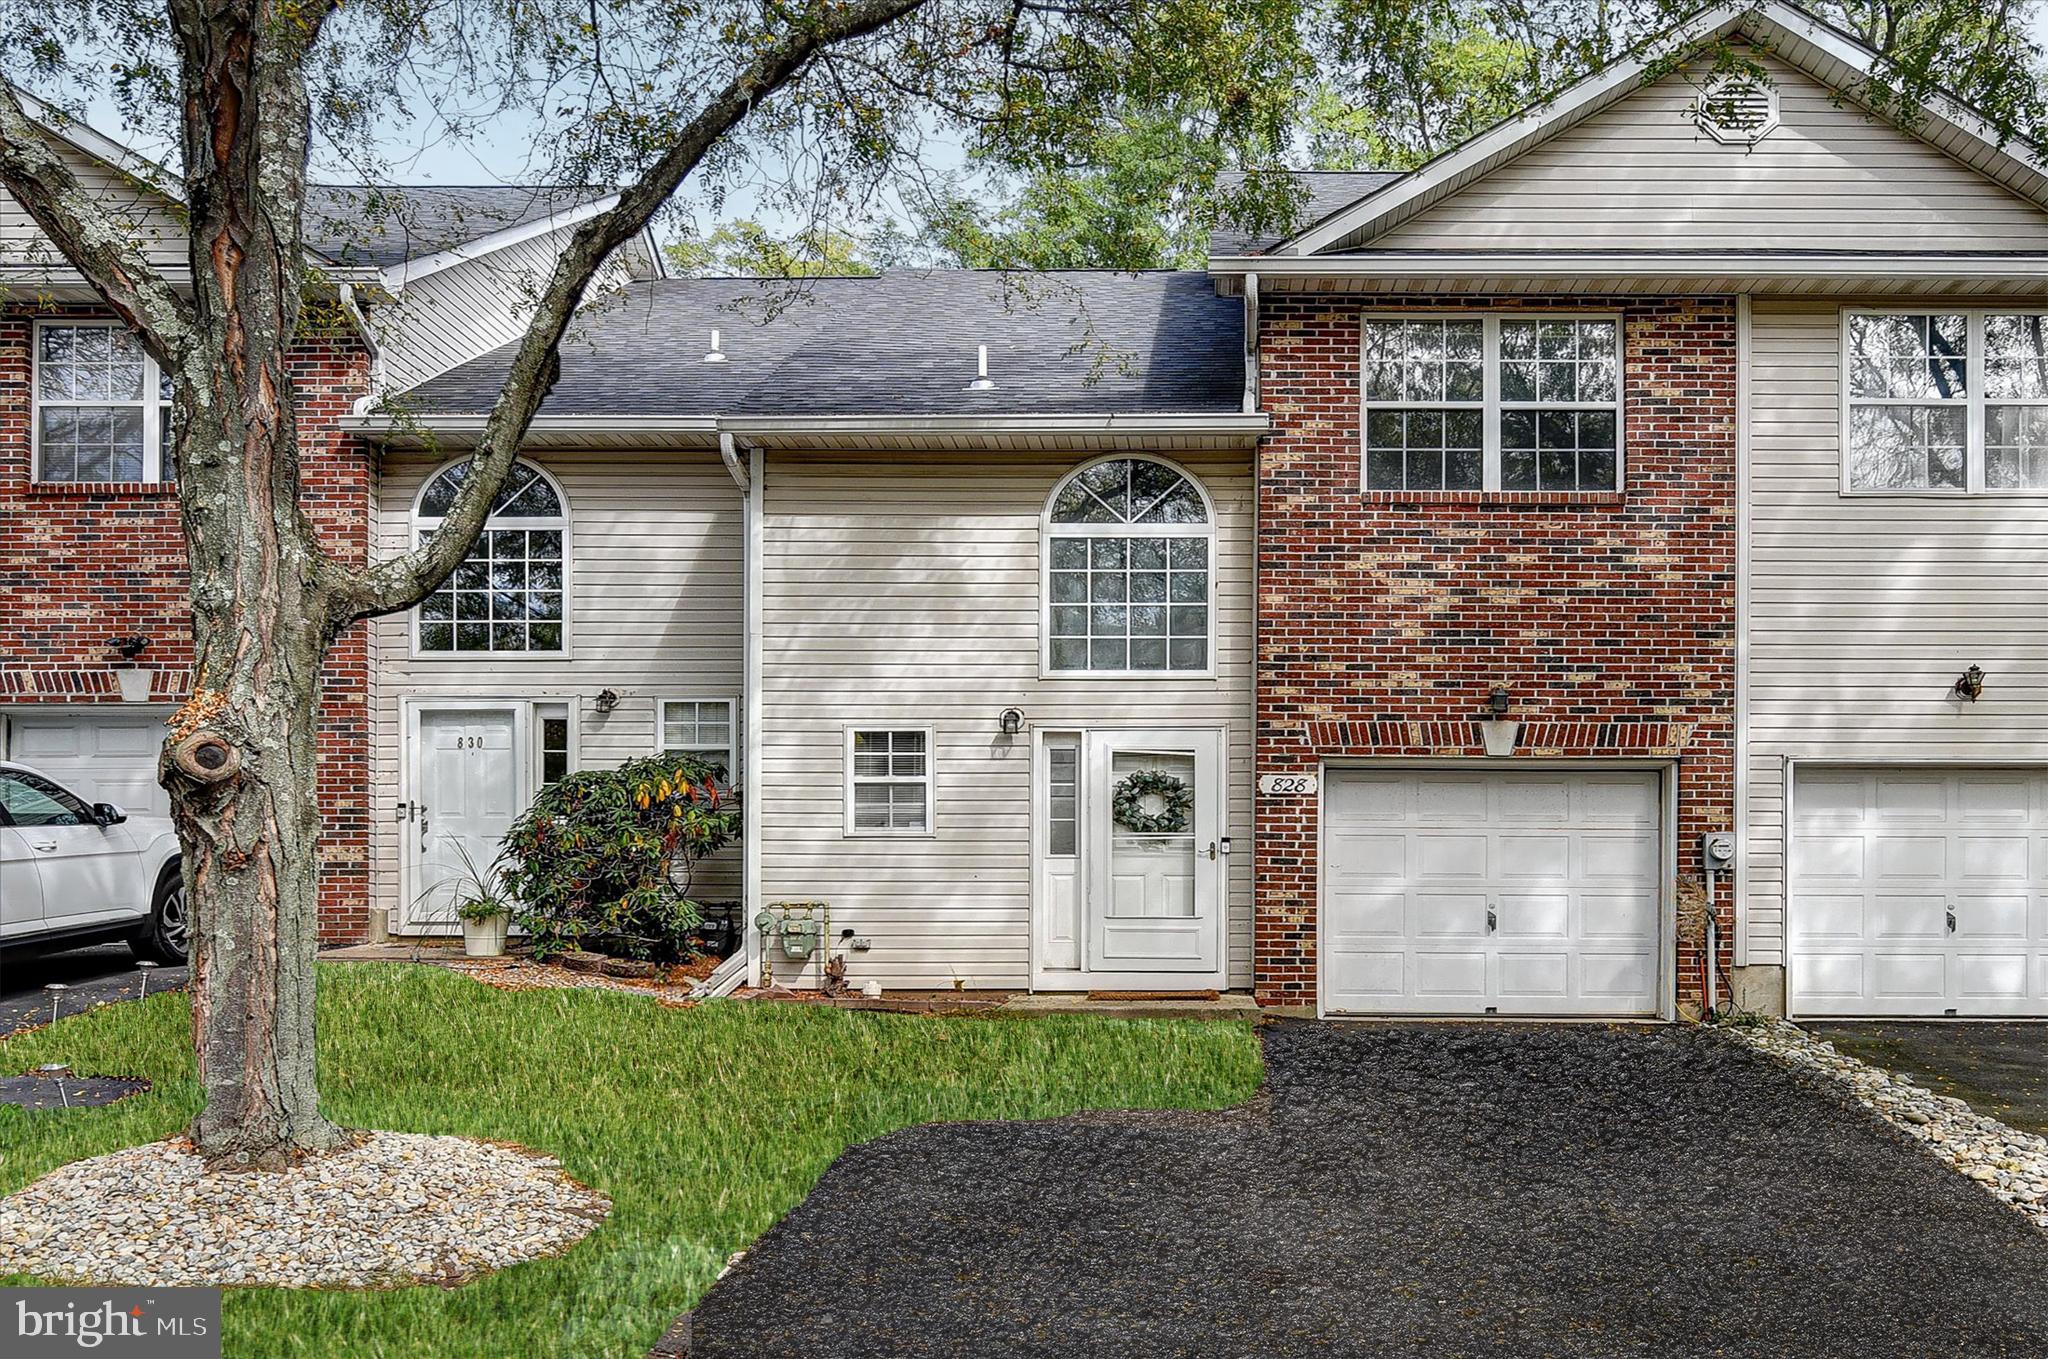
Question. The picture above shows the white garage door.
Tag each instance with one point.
(1511, 892)
(1919, 892)
(103, 757)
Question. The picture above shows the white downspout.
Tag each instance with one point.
(751, 794)
(1738, 873)
(1251, 344)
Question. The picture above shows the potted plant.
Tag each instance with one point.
(485, 919)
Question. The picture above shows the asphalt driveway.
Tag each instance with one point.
(91, 976)
(1999, 1069)
(1407, 1190)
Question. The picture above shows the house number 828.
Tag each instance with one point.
(1287, 785)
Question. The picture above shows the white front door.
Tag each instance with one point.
(1491, 892)
(469, 784)
(1153, 858)
(1919, 892)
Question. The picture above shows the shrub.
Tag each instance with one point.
(602, 859)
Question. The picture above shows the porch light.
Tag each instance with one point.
(1971, 684)
(1011, 720)
(1497, 702)
(128, 648)
(607, 699)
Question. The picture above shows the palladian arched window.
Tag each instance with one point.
(1130, 551)
(508, 594)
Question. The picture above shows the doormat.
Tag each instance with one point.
(1154, 995)
(48, 1090)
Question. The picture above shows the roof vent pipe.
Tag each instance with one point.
(714, 354)
(982, 381)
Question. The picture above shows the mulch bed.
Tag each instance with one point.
(1408, 1190)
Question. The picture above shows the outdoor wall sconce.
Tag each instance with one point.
(129, 648)
(1971, 684)
(1497, 731)
(1011, 721)
(607, 699)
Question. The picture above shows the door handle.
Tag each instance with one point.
(46, 846)
(1951, 920)
(1492, 920)
(1212, 849)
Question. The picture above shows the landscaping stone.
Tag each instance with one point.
(392, 1210)
(577, 961)
(635, 968)
(2012, 1164)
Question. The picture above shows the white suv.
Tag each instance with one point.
(76, 873)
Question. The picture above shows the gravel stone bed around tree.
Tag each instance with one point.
(2011, 1164)
(393, 1210)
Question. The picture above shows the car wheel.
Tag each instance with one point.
(170, 924)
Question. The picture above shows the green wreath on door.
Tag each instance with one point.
(1127, 802)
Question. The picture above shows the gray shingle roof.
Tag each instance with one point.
(901, 343)
(1328, 191)
(366, 224)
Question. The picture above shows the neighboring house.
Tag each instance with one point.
(1539, 586)
(91, 554)
(1562, 438)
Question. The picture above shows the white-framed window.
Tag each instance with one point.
(1947, 401)
(1456, 402)
(889, 783)
(554, 743)
(1129, 546)
(103, 407)
(509, 596)
(703, 727)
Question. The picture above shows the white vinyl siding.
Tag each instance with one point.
(449, 317)
(147, 218)
(902, 591)
(1642, 176)
(1864, 610)
(657, 606)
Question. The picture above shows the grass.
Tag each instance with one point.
(704, 1126)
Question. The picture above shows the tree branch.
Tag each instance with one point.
(405, 580)
(85, 233)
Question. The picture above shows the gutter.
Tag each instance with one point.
(1248, 424)
(1630, 265)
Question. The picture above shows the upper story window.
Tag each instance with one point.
(507, 595)
(1129, 547)
(1492, 403)
(1945, 402)
(103, 408)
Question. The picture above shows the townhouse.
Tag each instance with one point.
(1591, 575)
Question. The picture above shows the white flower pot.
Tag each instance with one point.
(485, 938)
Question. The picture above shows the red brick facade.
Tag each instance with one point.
(81, 566)
(1385, 620)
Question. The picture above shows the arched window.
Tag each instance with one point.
(1129, 548)
(508, 593)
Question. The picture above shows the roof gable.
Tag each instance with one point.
(1640, 175)
(1819, 56)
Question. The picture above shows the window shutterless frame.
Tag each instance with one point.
(733, 744)
(1491, 405)
(1048, 529)
(151, 403)
(930, 781)
(563, 523)
(1974, 403)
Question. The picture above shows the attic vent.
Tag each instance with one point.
(1737, 110)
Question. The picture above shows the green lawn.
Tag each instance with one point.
(703, 1125)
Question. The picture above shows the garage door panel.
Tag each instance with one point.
(1568, 863)
(1894, 917)
(1993, 856)
(1951, 888)
(1619, 858)
(1910, 856)
(1440, 854)
(1535, 976)
(1911, 798)
(1446, 974)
